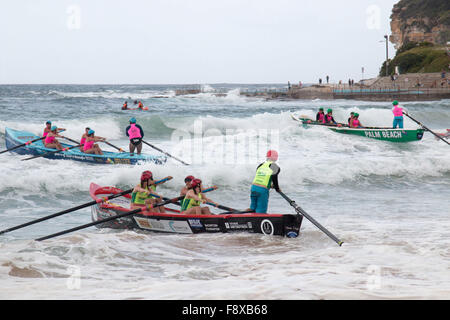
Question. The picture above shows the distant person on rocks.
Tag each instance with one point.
(320, 81)
(398, 115)
(328, 79)
(289, 85)
(135, 133)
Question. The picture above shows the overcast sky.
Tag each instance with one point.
(191, 41)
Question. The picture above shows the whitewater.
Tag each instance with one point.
(388, 202)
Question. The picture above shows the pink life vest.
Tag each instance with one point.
(49, 139)
(134, 132)
(45, 133)
(398, 112)
(329, 118)
(356, 123)
(321, 117)
(88, 145)
(83, 140)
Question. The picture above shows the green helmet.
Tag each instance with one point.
(329, 110)
(320, 109)
(395, 103)
(356, 114)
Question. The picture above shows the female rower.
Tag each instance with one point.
(83, 139)
(193, 198)
(50, 139)
(329, 119)
(90, 146)
(48, 128)
(355, 123)
(187, 181)
(320, 116)
(141, 198)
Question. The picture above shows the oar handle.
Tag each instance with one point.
(125, 214)
(420, 124)
(313, 221)
(52, 152)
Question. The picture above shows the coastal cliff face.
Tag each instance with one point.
(420, 21)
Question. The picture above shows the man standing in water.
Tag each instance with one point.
(135, 133)
(266, 178)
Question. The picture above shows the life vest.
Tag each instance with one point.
(321, 117)
(329, 118)
(189, 203)
(263, 175)
(49, 139)
(134, 132)
(45, 133)
(140, 197)
(398, 112)
(83, 140)
(356, 123)
(88, 145)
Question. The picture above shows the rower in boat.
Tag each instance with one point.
(140, 105)
(47, 129)
(83, 138)
(355, 123)
(329, 117)
(193, 199)
(352, 114)
(266, 177)
(187, 186)
(398, 115)
(90, 146)
(320, 116)
(125, 106)
(50, 139)
(141, 198)
(135, 134)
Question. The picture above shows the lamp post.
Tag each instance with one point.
(387, 54)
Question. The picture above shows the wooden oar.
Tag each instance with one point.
(52, 152)
(303, 213)
(88, 204)
(165, 153)
(420, 124)
(122, 215)
(22, 145)
(108, 143)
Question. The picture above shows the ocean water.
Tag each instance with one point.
(389, 203)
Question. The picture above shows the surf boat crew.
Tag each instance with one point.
(90, 146)
(141, 198)
(329, 119)
(48, 126)
(320, 116)
(266, 178)
(191, 203)
(83, 138)
(398, 115)
(135, 133)
(50, 139)
(355, 123)
(187, 186)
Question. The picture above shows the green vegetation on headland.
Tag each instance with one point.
(415, 57)
(438, 11)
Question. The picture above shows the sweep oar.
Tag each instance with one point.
(420, 124)
(156, 148)
(52, 152)
(91, 203)
(22, 145)
(303, 213)
(122, 215)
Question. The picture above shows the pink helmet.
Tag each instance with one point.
(272, 155)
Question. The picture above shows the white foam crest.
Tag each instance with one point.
(112, 94)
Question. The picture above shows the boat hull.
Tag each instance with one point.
(287, 225)
(14, 138)
(384, 134)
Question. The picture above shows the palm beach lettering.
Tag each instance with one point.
(384, 134)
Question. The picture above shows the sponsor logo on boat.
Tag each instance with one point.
(163, 225)
(212, 227)
(237, 226)
(195, 223)
(384, 134)
(267, 227)
(26, 137)
(122, 161)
